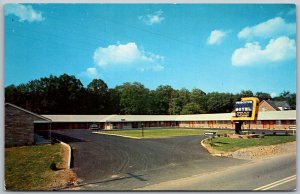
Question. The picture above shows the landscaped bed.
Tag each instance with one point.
(162, 133)
(225, 144)
(28, 167)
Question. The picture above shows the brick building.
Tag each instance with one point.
(270, 105)
(19, 125)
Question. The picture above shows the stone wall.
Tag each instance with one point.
(19, 126)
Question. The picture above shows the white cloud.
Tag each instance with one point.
(91, 72)
(216, 37)
(24, 13)
(118, 54)
(151, 19)
(277, 50)
(270, 29)
(127, 55)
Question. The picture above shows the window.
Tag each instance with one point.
(258, 122)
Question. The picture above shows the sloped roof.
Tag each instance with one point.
(77, 118)
(269, 115)
(277, 115)
(272, 104)
(277, 104)
(27, 111)
(283, 104)
(205, 117)
(138, 118)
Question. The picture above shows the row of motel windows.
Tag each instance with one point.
(278, 122)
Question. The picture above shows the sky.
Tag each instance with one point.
(213, 47)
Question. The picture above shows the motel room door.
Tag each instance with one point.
(210, 124)
(272, 124)
(266, 124)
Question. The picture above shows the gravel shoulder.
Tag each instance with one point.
(255, 153)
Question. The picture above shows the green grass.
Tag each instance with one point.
(160, 133)
(28, 167)
(230, 144)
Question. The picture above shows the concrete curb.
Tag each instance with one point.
(69, 153)
(203, 145)
(117, 135)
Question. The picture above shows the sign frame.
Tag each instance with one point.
(254, 113)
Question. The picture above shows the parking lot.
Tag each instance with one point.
(105, 162)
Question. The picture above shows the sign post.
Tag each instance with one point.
(245, 110)
(142, 129)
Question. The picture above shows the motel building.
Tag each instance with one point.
(22, 125)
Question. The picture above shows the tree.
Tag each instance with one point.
(12, 94)
(220, 102)
(289, 97)
(98, 86)
(179, 99)
(114, 102)
(191, 108)
(98, 97)
(161, 98)
(198, 97)
(134, 98)
(246, 93)
(263, 96)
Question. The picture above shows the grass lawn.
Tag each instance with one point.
(230, 145)
(159, 133)
(28, 167)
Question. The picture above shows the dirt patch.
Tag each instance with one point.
(259, 152)
(64, 176)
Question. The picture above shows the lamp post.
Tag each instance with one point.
(142, 129)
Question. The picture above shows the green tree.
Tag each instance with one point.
(12, 94)
(246, 93)
(263, 96)
(198, 97)
(289, 97)
(161, 98)
(134, 98)
(98, 97)
(220, 102)
(179, 98)
(114, 101)
(191, 108)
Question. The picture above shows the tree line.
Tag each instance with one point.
(65, 94)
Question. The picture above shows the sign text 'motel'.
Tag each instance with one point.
(246, 109)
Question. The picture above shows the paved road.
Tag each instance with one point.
(105, 162)
(276, 173)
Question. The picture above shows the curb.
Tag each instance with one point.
(203, 145)
(117, 135)
(69, 154)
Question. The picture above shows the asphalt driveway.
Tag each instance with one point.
(104, 162)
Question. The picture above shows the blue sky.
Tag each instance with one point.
(224, 48)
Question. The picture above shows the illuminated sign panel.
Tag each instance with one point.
(243, 108)
(246, 109)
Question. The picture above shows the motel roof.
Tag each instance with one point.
(277, 115)
(138, 118)
(78, 118)
(268, 115)
(206, 117)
